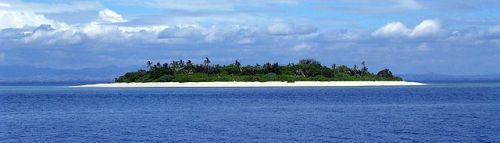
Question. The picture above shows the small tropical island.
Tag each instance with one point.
(304, 70)
(305, 73)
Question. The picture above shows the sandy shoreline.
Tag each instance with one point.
(256, 84)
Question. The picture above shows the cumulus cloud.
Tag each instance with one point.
(393, 29)
(32, 28)
(283, 29)
(15, 19)
(110, 16)
(95, 29)
(189, 32)
(46, 35)
(426, 28)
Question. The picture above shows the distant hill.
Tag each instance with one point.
(441, 77)
(35, 74)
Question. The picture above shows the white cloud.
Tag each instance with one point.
(343, 36)
(178, 32)
(46, 35)
(151, 29)
(393, 29)
(15, 19)
(110, 16)
(301, 47)
(426, 28)
(212, 34)
(93, 29)
(105, 33)
(290, 29)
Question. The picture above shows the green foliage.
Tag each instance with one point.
(386, 73)
(165, 78)
(304, 70)
(232, 69)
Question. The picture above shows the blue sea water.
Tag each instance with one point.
(440, 112)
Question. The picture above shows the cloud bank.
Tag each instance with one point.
(35, 35)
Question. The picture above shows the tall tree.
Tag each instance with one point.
(148, 64)
(206, 62)
(364, 70)
(334, 70)
(189, 67)
(238, 65)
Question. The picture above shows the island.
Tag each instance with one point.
(306, 72)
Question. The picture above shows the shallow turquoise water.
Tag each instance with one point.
(441, 112)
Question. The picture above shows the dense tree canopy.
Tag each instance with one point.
(304, 70)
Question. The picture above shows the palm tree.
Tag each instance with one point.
(355, 70)
(189, 67)
(364, 70)
(206, 62)
(334, 69)
(148, 64)
(181, 64)
(238, 64)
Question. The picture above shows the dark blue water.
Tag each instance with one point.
(442, 112)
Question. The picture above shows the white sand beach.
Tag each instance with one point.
(256, 84)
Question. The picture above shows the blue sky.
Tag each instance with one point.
(409, 36)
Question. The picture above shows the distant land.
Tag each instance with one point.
(36, 74)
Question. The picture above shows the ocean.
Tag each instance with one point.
(440, 112)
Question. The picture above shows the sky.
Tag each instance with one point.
(451, 37)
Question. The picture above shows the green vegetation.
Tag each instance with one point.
(304, 70)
